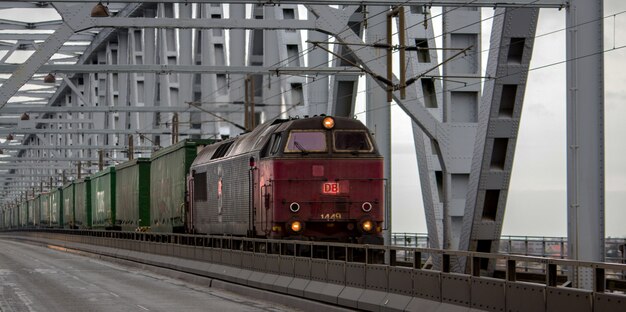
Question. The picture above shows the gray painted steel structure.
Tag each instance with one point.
(162, 56)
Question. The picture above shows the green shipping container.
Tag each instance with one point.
(23, 206)
(44, 209)
(68, 206)
(132, 202)
(168, 185)
(56, 208)
(36, 210)
(82, 203)
(103, 200)
(15, 216)
(31, 211)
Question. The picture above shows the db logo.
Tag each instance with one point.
(330, 188)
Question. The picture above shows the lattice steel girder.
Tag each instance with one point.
(334, 21)
(19, 176)
(95, 131)
(498, 124)
(166, 69)
(129, 22)
(443, 3)
(39, 165)
(71, 147)
(84, 37)
(48, 159)
(15, 25)
(106, 109)
(46, 50)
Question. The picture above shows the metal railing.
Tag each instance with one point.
(417, 272)
(539, 246)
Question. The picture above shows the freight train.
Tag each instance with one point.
(318, 178)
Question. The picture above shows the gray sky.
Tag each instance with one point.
(537, 196)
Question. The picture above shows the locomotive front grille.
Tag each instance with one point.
(336, 204)
(341, 206)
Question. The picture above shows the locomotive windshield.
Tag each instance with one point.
(306, 141)
(352, 141)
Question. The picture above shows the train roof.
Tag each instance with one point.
(255, 140)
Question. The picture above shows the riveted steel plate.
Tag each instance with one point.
(567, 299)
(371, 300)
(455, 289)
(609, 302)
(355, 275)
(272, 264)
(227, 257)
(302, 268)
(401, 281)
(207, 254)
(427, 284)
(525, 297)
(246, 260)
(336, 272)
(286, 265)
(318, 270)
(376, 277)
(186, 252)
(236, 258)
(488, 294)
(217, 255)
(259, 261)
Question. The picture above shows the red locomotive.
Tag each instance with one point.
(318, 178)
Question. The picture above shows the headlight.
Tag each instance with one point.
(296, 226)
(328, 122)
(367, 206)
(294, 207)
(367, 226)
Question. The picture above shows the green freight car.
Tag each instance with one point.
(103, 200)
(132, 202)
(82, 203)
(23, 208)
(31, 212)
(68, 206)
(168, 185)
(44, 209)
(56, 208)
(15, 216)
(36, 210)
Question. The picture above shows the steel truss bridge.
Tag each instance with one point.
(144, 74)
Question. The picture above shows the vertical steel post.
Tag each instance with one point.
(585, 135)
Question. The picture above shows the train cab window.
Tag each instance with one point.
(275, 143)
(352, 141)
(306, 141)
(222, 150)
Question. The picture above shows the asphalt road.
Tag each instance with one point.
(34, 278)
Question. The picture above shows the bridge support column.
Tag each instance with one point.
(585, 135)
